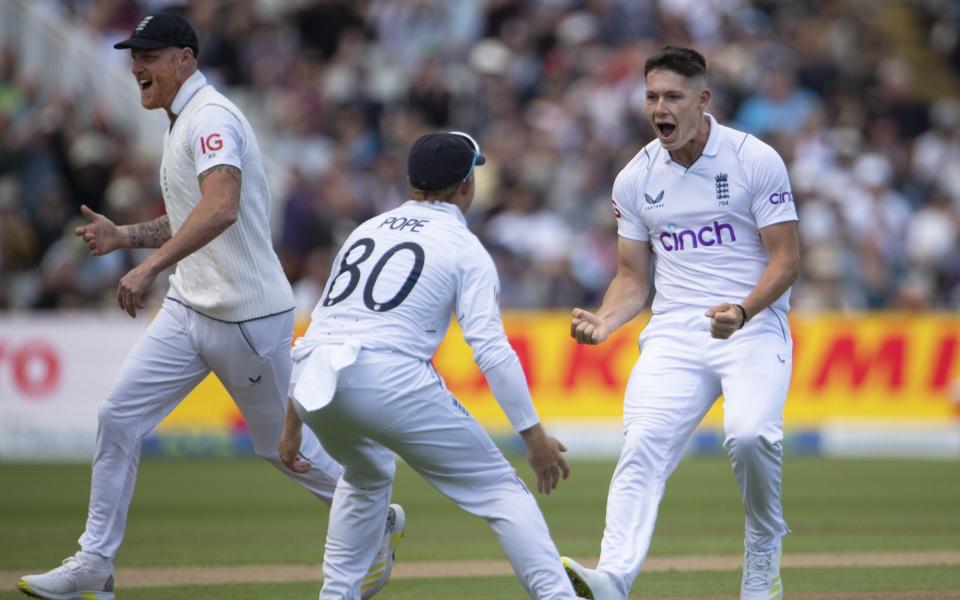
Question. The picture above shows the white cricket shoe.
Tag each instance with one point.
(379, 572)
(761, 576)
(589, 583)
(70, 581)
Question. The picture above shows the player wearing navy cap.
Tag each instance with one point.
(714, 206)
(229, 309)
(364, 383)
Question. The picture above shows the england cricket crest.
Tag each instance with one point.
(723, 187)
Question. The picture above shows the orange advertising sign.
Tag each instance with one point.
(885, 366)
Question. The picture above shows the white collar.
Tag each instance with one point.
(448, 207)
(187, 91)
(713, 140)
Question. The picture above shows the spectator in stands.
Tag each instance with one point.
(554, 91)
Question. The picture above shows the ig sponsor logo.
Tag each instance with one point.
(211, 143)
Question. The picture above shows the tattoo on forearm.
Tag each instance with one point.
(151, 234)
(230, 170)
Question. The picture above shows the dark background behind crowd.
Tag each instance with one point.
(860, 98)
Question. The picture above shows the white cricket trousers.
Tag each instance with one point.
(177, 351)
(387, 402)
(679, 375)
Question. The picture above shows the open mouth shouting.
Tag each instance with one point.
(666, 130)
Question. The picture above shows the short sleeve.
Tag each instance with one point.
(629, 223)
(771, 198)
(216, 137)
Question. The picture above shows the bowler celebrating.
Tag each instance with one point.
(714, 206)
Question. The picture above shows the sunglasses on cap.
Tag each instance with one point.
(476, 152)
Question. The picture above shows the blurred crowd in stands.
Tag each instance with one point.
(861, 104)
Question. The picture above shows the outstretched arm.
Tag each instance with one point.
(625, 296)
(214, 213)
(544, 453)
(479, 317)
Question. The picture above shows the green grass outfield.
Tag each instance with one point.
(222, 512)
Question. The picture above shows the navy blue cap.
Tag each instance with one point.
(439, 160)
(162, 30)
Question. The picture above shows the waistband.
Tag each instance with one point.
(769, 319)
(302, 349)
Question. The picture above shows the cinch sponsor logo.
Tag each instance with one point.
(781, 197)
(708, 235)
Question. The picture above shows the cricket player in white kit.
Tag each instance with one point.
(715, 207)
(364, 383)
(229, 309)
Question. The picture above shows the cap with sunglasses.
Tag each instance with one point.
(439, 160)
(162, 30)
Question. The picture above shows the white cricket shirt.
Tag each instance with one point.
(395, 283)
(399, 277)
(703, 222)
(237, 276)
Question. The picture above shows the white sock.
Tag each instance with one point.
(95, 561)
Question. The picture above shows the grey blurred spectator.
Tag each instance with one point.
(781, 108)
(18, 248)
(308, 290)
(936, 153)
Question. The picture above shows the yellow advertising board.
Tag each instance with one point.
(889, 366)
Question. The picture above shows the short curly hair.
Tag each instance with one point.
(443, 195)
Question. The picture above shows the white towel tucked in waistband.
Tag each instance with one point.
(318, 372)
